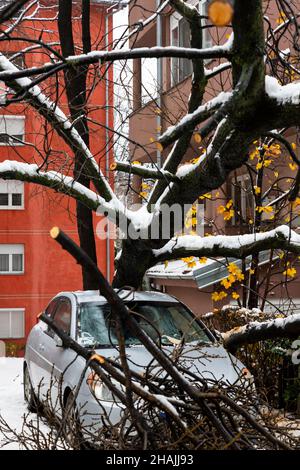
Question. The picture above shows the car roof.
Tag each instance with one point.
(127, 295)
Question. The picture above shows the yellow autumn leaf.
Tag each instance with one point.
(226, 283)
(159, 146)
(293, 166)
(257, 190)
(228, 214)
(290, 272)
(235, 295)
(197, 138)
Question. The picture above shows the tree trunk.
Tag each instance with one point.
(75, 83)
(135, 259)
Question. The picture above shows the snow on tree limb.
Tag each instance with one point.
(253, 332)
(189, 121)
(236, 246)
(214, 52)
(113, 209)
(52, 179)
(142, 170)
(56, 117)
(283, 94)
(210, 73)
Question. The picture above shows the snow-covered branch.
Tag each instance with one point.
(113, 209)
(210, 73)
(236, 246)
(189, 121)
(94, 57)
(51, 179)
(59, 121)
(253, 332)
(143, 171)
(286, 94)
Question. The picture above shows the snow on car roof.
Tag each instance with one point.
(94, 296)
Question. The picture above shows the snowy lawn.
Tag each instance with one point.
(12, 404)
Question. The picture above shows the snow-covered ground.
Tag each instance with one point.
(12, 404)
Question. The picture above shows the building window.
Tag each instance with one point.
(11, 259)
(12, 323)
(12, 130)
(11, 195)
(180, 37)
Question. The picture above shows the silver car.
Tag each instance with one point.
(52, 372)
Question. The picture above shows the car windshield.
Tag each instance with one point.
(169, 323)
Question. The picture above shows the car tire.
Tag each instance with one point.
(30, 397)
(72, 428)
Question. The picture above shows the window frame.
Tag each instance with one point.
(175, 19)
(177, 73)
(61, 301)
(12, 311)
(20, 251)
(57, 301)
(10, 194)
(12, 142)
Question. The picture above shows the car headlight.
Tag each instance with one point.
(101, 391)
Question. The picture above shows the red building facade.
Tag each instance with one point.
(33, 268)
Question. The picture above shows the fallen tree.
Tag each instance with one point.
(204, 404)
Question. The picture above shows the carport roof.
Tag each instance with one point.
(206, 274)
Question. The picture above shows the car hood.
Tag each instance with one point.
(211, 362)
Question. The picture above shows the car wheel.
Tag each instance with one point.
(72, 428)
(29, 395)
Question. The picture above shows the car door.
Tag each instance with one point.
(56, 358)
(36, 352)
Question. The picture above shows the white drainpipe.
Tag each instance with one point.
(159, 81)
(109, 12)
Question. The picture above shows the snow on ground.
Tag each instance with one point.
(12, 404)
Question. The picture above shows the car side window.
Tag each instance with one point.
(50, 310)
(62, 317)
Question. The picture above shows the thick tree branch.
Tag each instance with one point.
(76, 90)
(260, 331)
(236, 246)
(14, 170)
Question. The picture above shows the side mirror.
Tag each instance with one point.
(58, 341)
